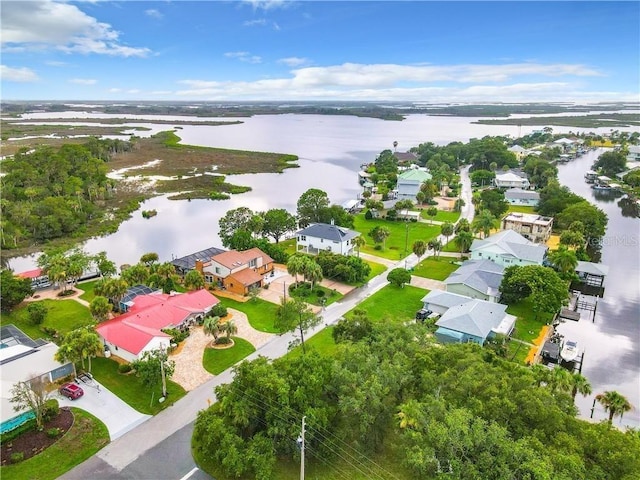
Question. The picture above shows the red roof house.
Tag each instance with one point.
(140, 329)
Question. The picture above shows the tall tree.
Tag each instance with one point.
(564, 261)
(312, 272)
(149, 259)
(295, 314)
(229, 328)
(241, 218)
(463, 240)
(398, 277)
(295, 265)
(277, 222)
(154, 367)
(579, 384)
(542, 285)
(211, 326)
(380, 234)
(359, 242)
(614, 403)
(13, 290)
(106, 267)
(310, 206)
(485, 222)
(447, 229)
(432, 212)
(419, 248)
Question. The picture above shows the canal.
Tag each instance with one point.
(611, 338)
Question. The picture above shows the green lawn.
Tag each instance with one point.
(261, 314)
(527, 326)
(87, 288)
(83, 440)
(63, 316)
(315, 296)
(437, 269)
(322, 342)
(520, 209)
(442, 216)
(289, 246)
(376, 269)
(394, 304)
(131, 390)
(216, 361)
(402, 233)
(517, 352)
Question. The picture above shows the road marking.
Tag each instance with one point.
(193, 470)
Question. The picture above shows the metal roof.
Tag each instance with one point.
(328, 232)
(189, 262)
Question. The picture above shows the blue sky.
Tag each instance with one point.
(305, 50)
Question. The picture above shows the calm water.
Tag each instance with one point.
(331, 149)
(612, 341)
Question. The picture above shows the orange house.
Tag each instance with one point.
(239, 272)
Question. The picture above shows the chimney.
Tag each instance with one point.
(332, 222)
(199, 266)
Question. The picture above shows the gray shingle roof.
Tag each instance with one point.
(483, 276)
(328, 232)
(444, 299)
(476, 317)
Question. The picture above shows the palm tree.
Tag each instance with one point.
(295, 265)
(564, 260)
(229, 327)
(211, 326)
(484, 223)
(436, 246)
(580, 385)
(560, 380)
(359, 242)
(462, 226)
(464, 240)
(615, 403)
(419, 248)
(313, 272)
(446, 229)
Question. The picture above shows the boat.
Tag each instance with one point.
(569, 351)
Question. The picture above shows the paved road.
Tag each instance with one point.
(160, 448)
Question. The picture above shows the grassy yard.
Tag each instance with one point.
(394, 304)
(289, 246)
(261, 314)
(437, 269)
(376, 269)
(402, 233)
(83, 440)
(322, 342)
(520, 209)
(315, 296)
(517, 352)
(442, 216)
(131, 390)
(63, 316)
(216, 361)
(527, 326)
(87, 288)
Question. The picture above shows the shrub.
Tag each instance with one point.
(16, 432)
(219, 311)
(320, 293)
(223, 341)
(52, 332)
(378, 247)
(368, 215)
(17, 457)
(53, 432)
(124, 368)
(177, 335)
(51, 409)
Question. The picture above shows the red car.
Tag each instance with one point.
(71, 391)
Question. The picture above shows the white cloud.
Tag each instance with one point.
(276, 27)
(23, 74)
(161, 92)
(294, 61)
(244, 57)
(114, 90)
(255, 23)
(465, 83)
(133, 91)
(83, 81)
(44, 24)
(153, 13)
(54, 63)
(268, 4)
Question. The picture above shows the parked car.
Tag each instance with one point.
(71, 391)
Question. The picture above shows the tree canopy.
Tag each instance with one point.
(547, 291)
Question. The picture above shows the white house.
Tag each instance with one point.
(409, 183)
(328, 237)
(511, 180)
(634, 153)
(518, 196)
(531, 226)
(508, 248)
(23, 359)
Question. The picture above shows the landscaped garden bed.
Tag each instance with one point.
(317, 295)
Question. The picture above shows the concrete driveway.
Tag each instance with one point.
(105, 405)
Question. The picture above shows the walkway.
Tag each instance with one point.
(426, 283)
(52, 294)
(189, 372)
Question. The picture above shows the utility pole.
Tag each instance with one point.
(164, 379)
(302, 449)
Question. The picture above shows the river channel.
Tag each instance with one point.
(331, 149)
(611, 339)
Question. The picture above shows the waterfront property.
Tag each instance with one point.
(135, 291)
(518, 196)
(328, 237)
(634, 153)
(237, 271)
(531, 226)
(22, 360)
(409, 183)
(477, 279)
(467, 319)
(511, 179)
(508, 248)
(518, 151)
(140, 329)
(592, 274)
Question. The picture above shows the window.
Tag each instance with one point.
(253, 263)
(218, 270)
(302, 238)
